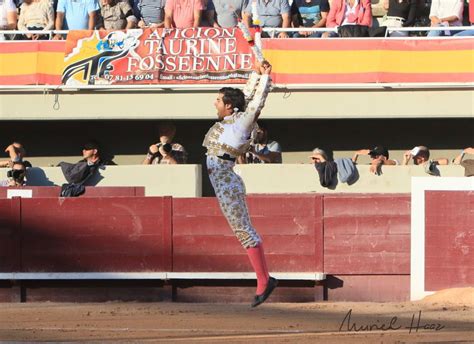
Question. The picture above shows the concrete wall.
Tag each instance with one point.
(291, 178)
(158, 180)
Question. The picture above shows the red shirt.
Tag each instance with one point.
(183, 11)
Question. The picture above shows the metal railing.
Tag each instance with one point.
(271, 31)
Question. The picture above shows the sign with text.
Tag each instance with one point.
(151, 56)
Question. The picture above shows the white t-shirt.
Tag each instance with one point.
(448, 8)
(5, 7)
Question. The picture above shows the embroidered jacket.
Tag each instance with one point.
(234, 133)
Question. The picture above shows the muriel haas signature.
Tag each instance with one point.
(393, 324)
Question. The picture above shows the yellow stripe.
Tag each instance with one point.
(31, 63)
(363, 61)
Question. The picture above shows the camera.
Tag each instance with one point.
(15, 174)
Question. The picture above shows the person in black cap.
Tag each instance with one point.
(379, 156)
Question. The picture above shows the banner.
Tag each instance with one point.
(208, 55)
(371, 60)
(194, 55)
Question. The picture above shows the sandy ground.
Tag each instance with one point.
(447, 317)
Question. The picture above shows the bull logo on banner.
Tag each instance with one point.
(91, 63)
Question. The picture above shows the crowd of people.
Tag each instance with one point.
(347, 18)
(264, 150)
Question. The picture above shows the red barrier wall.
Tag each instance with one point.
(291, 226)
(10, 248)
(366, 234)
(449, 239)
(91, 191)
(96, 234)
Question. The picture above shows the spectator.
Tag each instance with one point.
(348, 13)
(309, 14)
(8, 16)
(421, 155)
(263, 151)
(268, 13)
(155, 155)
(379, 156)
(149, 13)
(76, 15)
(16, 176)
(400, 13)
(16, 153)
(227, 12)
(36, 15)
(444, 14)
(183, 13)
(83, 169)
(467, 164)
(471, 20)
(326, 168)
(116, 15)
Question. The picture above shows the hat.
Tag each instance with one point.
(319, 151)
(91, 145)
(378, 150)
(420, 150)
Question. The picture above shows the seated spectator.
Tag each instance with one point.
(400, 13)
(348, 13)
(226, 12)
(8, 16)
(156, 156)
(309, 14)
(36, 15)
(421, 155)
(467, 164)
(181, 14)
(445, 14)
(116, 15)
(326, 168)
(83, 169)
(16, 153)
(76, 15)
(268, 13)
(263, 151)
(16, 176)
(149, 13)
(471, 20)
(378, 155)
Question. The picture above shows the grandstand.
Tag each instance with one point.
(340, 94)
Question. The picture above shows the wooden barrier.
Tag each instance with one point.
(291, 226)
(361, 241)
(96, 234)
(91, 191)
(449, 260)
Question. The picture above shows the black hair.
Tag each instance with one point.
(234, 97)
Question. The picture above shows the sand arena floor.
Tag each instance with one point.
(442, 318)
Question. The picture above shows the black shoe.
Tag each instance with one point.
(272, 283)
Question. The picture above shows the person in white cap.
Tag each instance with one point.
(421, 155)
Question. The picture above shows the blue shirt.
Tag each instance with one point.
(76, 13)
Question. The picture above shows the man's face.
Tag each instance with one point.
(418, 160)
(13, 182)
(88, 153)
(261, 136)
(317, 158)
(106, 2)
(166, 134)
(222, 109)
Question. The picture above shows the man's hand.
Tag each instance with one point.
(406, 157)
(153, 149)
(435, 21)
(265, 67)
(141, 24)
